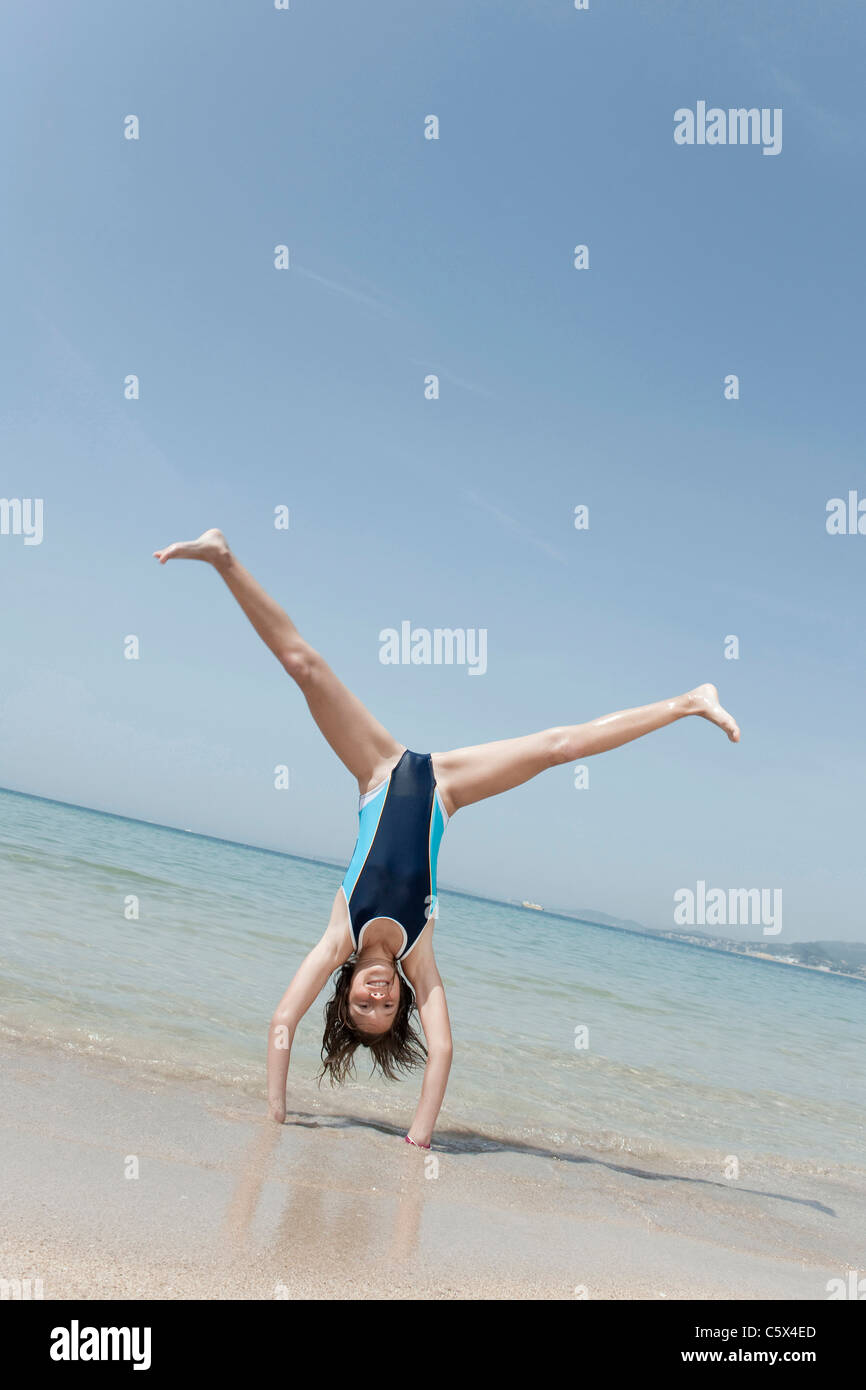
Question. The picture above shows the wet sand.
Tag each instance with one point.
(331, 1205)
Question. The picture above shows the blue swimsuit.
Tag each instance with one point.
(393, 869)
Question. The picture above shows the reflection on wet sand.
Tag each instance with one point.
(344, 1202)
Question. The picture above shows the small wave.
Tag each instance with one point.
(364, 1103)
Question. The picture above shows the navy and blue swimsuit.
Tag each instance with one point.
(393, 869)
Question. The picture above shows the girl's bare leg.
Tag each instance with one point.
(359, 740)
(466, 775)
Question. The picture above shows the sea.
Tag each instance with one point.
(166, 951)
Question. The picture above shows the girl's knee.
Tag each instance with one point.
(299, 660)
(557, 746)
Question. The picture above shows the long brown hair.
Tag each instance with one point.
(394, 1053)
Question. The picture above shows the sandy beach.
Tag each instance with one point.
(330, 1205)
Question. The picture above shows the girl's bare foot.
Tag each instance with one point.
(704, 700)
(211, 546)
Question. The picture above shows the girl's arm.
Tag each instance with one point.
(302, 993)
(430, 998)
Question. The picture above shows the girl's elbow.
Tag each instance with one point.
(281, 1030)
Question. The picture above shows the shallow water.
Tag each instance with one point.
(692, 1054)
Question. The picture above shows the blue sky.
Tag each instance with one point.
(559, 387)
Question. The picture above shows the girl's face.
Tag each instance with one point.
(374, 994)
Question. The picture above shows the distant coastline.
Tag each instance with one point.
(842, 958)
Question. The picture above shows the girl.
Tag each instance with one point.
(384, 911)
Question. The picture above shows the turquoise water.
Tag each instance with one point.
(692, 1054)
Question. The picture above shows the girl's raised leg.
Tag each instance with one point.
(466, 775)
(360, 741)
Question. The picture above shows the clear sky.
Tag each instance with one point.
(558, 387)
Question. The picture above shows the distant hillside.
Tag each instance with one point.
(839, 955)
(846, 956)
(604, 919)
